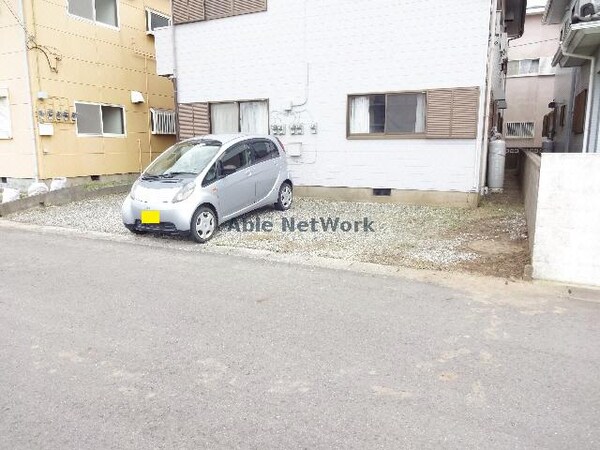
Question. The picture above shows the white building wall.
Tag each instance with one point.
(322, 51)
(163, 43)
(567, 227)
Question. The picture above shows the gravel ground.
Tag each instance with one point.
(413, 236)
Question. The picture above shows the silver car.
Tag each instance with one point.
(202, 182)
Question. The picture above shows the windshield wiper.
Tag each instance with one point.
(150, 177)
(172, 174)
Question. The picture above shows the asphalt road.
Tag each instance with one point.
(116, 345)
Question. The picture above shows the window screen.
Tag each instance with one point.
(155, 20)
(106, 12)
(402, 113)
(89, 119)
(523, 67)
(98, 120)
(82, 8)
(112, 120)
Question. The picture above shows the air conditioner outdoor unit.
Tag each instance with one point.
(585, 11)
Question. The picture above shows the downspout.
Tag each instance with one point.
(36, 162)
(174, 77)
(590, 94)
(488, 95)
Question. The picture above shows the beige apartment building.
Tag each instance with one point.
(530, 80)
(79, 94)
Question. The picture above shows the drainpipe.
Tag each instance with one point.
(32, 114)
(481, 159)
(590, 94)
(174, 79)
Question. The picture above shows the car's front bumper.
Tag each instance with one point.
(174, 217)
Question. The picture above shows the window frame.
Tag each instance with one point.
(384, 135)
(268, 141)
(5, 94)
(149, 11)
(103, 134)
(210, 119)
(249, 163)
(96, 22)
(534, 74)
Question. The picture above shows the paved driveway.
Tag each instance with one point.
(117, 345)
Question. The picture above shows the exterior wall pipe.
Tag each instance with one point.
(36, 161)
(590, 95)
(483, 155)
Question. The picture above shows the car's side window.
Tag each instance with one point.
(211, 176)
(236, 158)
(264, 150)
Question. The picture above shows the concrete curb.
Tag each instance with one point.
(60, 197)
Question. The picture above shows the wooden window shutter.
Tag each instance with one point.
(192, 120)
(217, 9)
(249, 6)
(452, 113)
(195, 10)
(201, 120)
(465, 106)
(185, 120)
(579, 112)
(439, 117)
(188, 11)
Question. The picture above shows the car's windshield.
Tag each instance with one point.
(186, 158)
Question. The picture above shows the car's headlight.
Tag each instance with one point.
(184, 192)
(133, 189)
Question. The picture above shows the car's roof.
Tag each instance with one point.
(225, 138)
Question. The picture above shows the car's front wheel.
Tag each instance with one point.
(285, 198)
(204, 224)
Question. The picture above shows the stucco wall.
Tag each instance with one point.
(17, 153)
(99, 64)
(567, 226)
(323, 51)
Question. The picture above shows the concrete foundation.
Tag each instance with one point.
(23, 183)
(409, 197)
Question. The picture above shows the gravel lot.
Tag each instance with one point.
(491, 239)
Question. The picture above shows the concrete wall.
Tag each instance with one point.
(99, 64)
(566, 242)
(323, 51)
(528, 95)
(529, 175)
(16, 153)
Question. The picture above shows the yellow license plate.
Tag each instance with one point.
(150, 216)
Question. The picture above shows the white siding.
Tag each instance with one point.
(348, 47)
(163, 43)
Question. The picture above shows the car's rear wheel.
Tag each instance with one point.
(204, 224)
(286, 197)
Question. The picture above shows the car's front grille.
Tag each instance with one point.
(162, 227)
